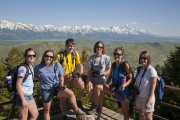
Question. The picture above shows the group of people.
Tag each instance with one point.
(56, 77)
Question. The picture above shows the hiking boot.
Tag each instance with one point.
(65, 117)
(79, 112)
(93, 110)
(98, 110)
(92, 105)
(79, 105)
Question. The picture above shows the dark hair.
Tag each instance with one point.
(120, 49)
(145, 54)
(96, 44)
(27, 50)
(70, 40)
(43, 61)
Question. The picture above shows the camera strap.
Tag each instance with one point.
(101, 62)
(142, 75)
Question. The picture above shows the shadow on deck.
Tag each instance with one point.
(107, 114)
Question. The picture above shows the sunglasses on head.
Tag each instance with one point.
(99, 47)
(143, 58)
(117, 54)
(48, 56)
(31, 55)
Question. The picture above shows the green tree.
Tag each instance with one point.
(158, 69)
(171, 76)
(85, 55)
(14, 58)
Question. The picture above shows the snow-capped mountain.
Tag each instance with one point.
(10, 30)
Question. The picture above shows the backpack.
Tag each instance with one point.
(62, 52)
(11, 86)
(159, 89)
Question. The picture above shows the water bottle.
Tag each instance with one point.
(123, 80)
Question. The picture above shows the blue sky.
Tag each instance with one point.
(158, 16)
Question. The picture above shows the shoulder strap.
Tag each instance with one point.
(124, 68)
(27, 70)
(142, 75)
(73, 56)
(55, 68)
(61, 53)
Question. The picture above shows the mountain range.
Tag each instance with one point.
(26, 31)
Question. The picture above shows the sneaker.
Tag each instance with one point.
(65, 117)
(79, 105)
(79, 112)
(93, 110)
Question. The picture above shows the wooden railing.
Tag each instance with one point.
(84, 77)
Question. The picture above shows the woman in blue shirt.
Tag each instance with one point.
(116, 73)
(50, 73)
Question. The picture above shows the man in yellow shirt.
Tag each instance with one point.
(68, 58)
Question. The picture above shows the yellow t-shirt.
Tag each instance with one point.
(69, 67)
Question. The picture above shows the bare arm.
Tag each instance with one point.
(110, 75)
(130, 75)
(153, 81)
(61, 80)
(80, 69)
(19, 90)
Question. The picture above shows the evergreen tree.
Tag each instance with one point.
(15, 57)
(171, 76)
(85, 56)
(158, 69)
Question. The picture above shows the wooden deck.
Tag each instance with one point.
(107, 114)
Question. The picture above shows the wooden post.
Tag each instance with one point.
(85, 117)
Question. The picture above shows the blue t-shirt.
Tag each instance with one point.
(47, 75)
(116, 78)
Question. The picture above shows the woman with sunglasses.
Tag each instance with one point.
(50, 74)
(24, 86)
(99, 65)
(120, 83)
(145, 83)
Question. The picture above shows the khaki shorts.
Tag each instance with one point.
(71, 83)
(141, 102)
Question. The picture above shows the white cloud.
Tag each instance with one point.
(157, 23)
(134, 23)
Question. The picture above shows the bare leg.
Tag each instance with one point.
(98, 90)
(47, 107)
(80, 91)
(23, 113)
(33, 110)
(125, 110)
(91, 95)
(101, 98)
(141, 114)
(148, 115)
(69, 94)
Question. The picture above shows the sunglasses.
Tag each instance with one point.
(48, 56)
(117, 54)
(31, 55)
(99, 47)
(143, 58)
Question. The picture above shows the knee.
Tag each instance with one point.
(46, 111)
(35, 115)
(81, 87)
(71, 94)
(98, 88)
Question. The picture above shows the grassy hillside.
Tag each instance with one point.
(158, 50)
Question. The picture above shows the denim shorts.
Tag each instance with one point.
(47, 95)
(29, 98)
